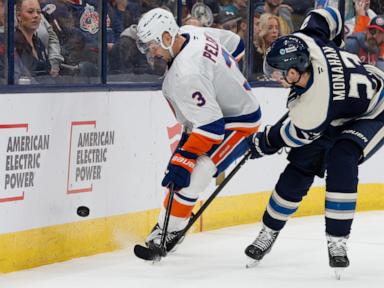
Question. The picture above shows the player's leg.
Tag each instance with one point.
(356, 144)
(292, 186)
(183, 203)
(340, 198)
(207, 166)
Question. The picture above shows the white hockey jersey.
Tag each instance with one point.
(208, 93)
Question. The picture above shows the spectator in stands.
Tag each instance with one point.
(28, 46)
(300, 10)
(227, 20)
(270, 29)
(19, 68)
(275, 7)
(123, 13)
(362, 16)
(235, 6)
(116, 10)
(242, 24)
(51, 42)
(377, 6)
(256, 22)
(125, 59)
(147, 5)
(77, 25)
(369, 44)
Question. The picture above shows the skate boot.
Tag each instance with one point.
(261, 246)
(337, 253)
(171, 240)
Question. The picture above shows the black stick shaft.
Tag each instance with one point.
(166, 219)
(214, 194)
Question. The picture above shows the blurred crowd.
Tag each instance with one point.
(58, 41)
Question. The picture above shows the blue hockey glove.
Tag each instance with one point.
(259, 146)
(179, 169)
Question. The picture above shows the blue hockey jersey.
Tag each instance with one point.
(341, 89)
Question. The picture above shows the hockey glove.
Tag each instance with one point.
(259, 145)
(179, 169)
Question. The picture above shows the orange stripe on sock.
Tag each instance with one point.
(178, 209)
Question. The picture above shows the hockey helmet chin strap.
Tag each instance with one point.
(295, 82)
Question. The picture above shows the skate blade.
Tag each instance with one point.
(338, 272)
(252, 264)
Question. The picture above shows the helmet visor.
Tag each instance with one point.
(273, 73)
(148, 47)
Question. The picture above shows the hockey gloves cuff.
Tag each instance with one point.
(179, 169)
(259, 145)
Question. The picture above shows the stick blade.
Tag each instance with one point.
(148, 254)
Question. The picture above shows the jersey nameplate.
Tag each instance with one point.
(211, 49)
(337, 73)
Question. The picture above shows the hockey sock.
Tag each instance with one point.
(341, 187)
(293, 184)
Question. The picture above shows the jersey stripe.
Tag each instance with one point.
(239, 51)
(289, 134)
(200, 144)
(228, 145)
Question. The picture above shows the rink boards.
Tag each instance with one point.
(108, 151)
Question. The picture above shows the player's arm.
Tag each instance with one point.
(324, 23)
(286, 134)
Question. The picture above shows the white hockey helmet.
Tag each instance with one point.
(151, 27)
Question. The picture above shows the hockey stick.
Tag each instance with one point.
(211, 198)
(155, 253)
(147, 253)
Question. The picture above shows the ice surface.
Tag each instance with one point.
(216, 259)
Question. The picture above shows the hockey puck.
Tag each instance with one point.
(83, 211)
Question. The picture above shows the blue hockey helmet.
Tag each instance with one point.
(285, 53)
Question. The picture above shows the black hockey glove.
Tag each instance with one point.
(259, 145)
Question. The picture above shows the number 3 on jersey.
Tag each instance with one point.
(199, 98)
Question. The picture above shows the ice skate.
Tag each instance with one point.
(261, 246)
(337, 252)
(171, 240)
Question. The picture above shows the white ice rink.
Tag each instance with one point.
(216, 259)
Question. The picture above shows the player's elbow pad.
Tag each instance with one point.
(333, 19)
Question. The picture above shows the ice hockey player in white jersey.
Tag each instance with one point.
(335, 123)
(211, 99)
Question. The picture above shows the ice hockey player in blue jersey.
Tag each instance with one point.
(335, 123)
